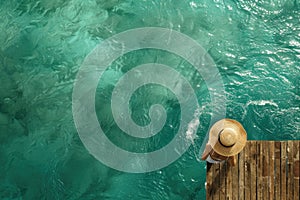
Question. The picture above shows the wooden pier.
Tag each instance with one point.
(264, 170)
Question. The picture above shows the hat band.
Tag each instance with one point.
(221, 141)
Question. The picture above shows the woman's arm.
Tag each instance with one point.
(232, 160)
(206, 152)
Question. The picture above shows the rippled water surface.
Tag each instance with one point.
(255, 45)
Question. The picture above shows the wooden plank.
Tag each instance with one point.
(283, 171)
(277, 170)
(216, 181)
(272, 170)
(296, 170)
(209, 183)
(235, 181)
(253, 150)
(247, 172)
(290, 171)
(222, 188)
(241, 185)
(228, 181)
(259, 171)
(265, 169)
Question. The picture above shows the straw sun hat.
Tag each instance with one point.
(227, 137)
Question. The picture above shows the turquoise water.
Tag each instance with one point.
(255, 45)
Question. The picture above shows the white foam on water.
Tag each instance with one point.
(191, 133)
(262, 103)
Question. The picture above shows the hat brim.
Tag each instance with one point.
(214, 137)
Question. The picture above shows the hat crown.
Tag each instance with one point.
(228, 137)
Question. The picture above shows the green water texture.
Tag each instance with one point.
(255, 45)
